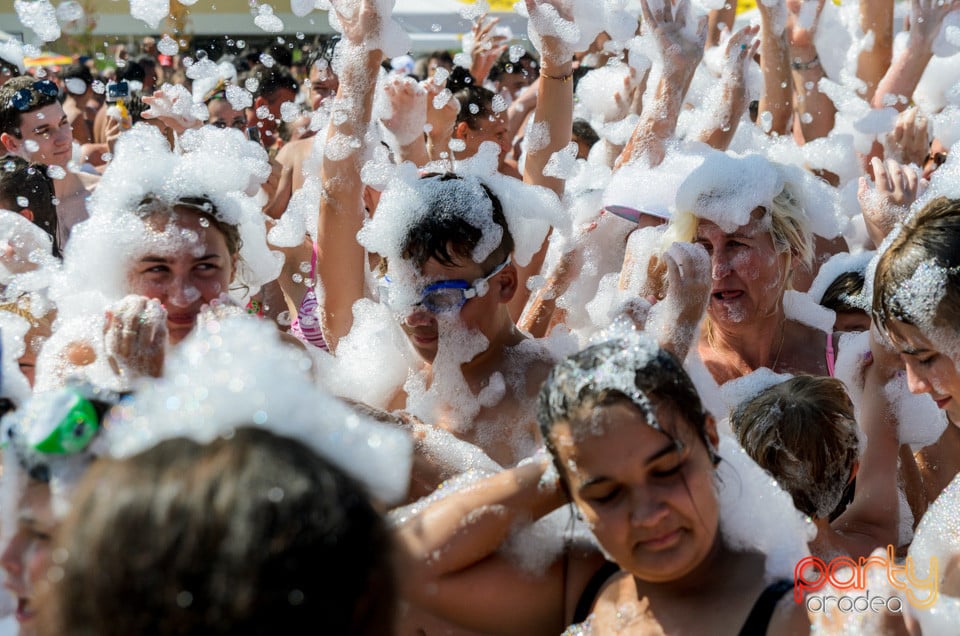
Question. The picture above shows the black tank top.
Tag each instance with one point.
(756, 624)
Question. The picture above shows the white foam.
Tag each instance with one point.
(153, 12)
(40, 16)
(212, 395)
(756, 514)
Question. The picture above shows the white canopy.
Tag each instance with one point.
(432, 24)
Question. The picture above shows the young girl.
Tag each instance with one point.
(916, 300)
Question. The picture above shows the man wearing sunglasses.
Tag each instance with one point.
(34, 126)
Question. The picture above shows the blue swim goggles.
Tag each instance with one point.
(441, 296)
(26, 98)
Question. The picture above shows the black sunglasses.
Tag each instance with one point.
(26, 98)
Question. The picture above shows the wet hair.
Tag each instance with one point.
(281, 53)
(444, 234)
(476, 105)
(421, 66)
(583, 131)
(641, 373)
(802, 432)
(841, 293)
(255, 534)
(507, 66)
(203, 207)
(272, 79)
(20, 178)
(918, 276)
(9, 113)
(324, 51)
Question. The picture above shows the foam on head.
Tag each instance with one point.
(208, 392)
(217, 164)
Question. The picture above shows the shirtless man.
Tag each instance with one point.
(435, 253)
(34, 126)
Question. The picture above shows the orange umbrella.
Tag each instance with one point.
(47, 59)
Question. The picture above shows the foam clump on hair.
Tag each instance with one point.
(726, 189)
(919, 296)
(217, 164)
(661, 184)
(620, 354)
(205, 394)
(749, 386)
(409, 200)
(837, 265)
(531, 211)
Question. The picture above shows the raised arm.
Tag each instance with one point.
(876, 21)
(341, 259)
(554, 110)
(404, 129)
(775, 110)
(554, 117)
(448, 553)
(680, 57)
(815, 110)
(901, 79)
(738, 53)
(872, 520)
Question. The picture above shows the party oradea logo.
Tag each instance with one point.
(841, 584)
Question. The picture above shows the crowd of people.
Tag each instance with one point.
(645, 323)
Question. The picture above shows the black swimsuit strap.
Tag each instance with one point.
(759, 618)
(590, 592)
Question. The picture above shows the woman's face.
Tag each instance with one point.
(185, 266)
(652, 506)
(26, 557)
(929, 369)
(748, 274)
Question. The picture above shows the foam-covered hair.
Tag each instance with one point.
(218, 165)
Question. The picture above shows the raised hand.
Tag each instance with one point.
(678, 51)
(359, 24)
(487, 48)
(135, 336)
(408, 106)
(803, 18)
(553, 38)
(174, 107)
(926, 17)
(895, 189)
(910, 138)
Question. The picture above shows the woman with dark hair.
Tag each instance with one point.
(916, 301)
(255, 534)
(636, 453)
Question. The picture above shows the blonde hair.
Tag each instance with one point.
(789, 228)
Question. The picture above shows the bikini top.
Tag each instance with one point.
(756, 624)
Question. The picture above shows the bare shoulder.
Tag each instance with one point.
(530, 361)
